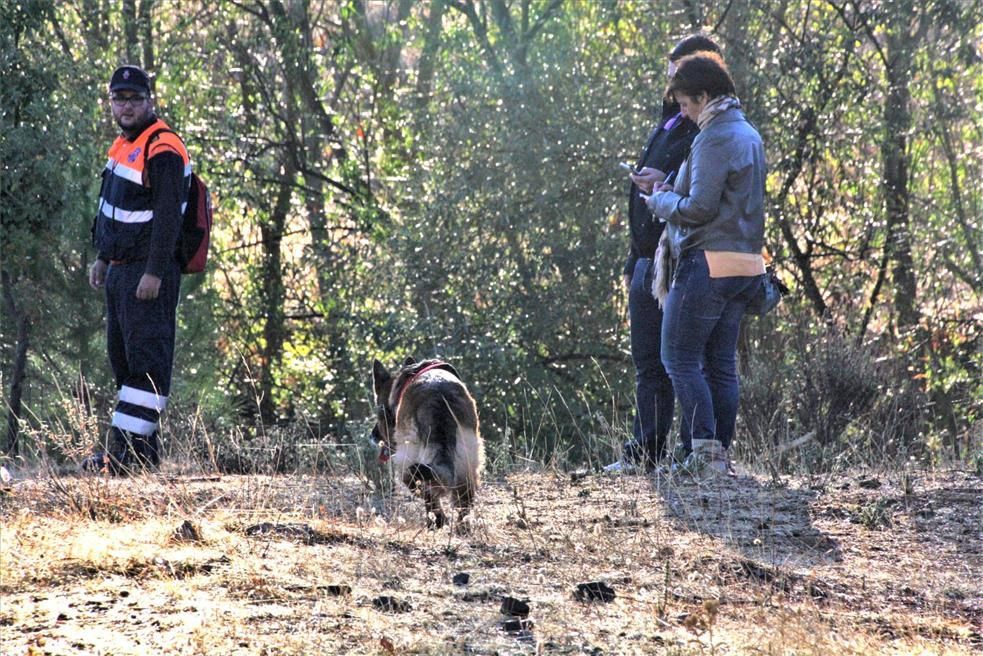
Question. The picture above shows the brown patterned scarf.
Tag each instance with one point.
(718, 105)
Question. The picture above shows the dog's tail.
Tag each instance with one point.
(453, 429)
(469, 461)
(468, 456)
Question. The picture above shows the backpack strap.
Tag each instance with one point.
(154, 136)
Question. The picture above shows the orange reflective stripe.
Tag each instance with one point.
(168, 142)
(157, 149)
(130, 153)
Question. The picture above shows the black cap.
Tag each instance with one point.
(132, 78)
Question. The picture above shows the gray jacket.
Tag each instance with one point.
(717, 203)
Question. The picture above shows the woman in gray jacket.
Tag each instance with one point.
(715, 216)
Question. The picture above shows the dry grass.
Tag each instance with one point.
(293, 565)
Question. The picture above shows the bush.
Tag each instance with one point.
(857, 402)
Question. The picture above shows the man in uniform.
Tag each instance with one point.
(141, 203)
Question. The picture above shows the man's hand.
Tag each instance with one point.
(647, 178)
(97, 274)
(148, 288)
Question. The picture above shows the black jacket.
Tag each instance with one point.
(665, 150)
(144, 190)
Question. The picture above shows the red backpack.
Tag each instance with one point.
(196, 226)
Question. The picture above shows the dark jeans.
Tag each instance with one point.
(699, 345)
(653, 389)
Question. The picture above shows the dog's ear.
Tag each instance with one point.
(408, 361)
(379, 377)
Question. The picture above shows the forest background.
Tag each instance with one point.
(439, 178)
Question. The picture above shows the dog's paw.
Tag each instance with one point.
(436, 520)
(465, 525)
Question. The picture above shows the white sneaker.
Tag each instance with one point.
(621, 467)
(613, 468)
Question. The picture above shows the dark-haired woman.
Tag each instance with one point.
(715, 214)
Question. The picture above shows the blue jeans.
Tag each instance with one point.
(699, 345)
(653, 389)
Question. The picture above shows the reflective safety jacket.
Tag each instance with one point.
(124, 226)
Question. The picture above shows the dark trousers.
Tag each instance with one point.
(699, 345)
(140, 341)
(653, 387)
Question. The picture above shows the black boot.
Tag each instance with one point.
(115, 459)
(147, 450)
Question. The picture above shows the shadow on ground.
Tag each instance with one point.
(767, 523)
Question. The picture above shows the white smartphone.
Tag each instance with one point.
(628, 167)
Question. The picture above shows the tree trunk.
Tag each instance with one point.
(896, 160)
(392, 54)
(146, 26)
(95, 22)
(313, 129)
(19, 371)
(292, 31)
(431, 46)
(897, 124)
(274, 325)
(735, 25)
(695, 14)
(972, 278)
(131, 32)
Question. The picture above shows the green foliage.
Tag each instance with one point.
(26, 201)
(400, 178)
(46, 205)
(505, 245)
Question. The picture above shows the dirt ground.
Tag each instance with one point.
(873, 563)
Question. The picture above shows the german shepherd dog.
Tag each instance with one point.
(428, 422)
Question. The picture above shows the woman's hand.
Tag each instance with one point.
(646, 178)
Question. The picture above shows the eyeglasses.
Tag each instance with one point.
(132, 101)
